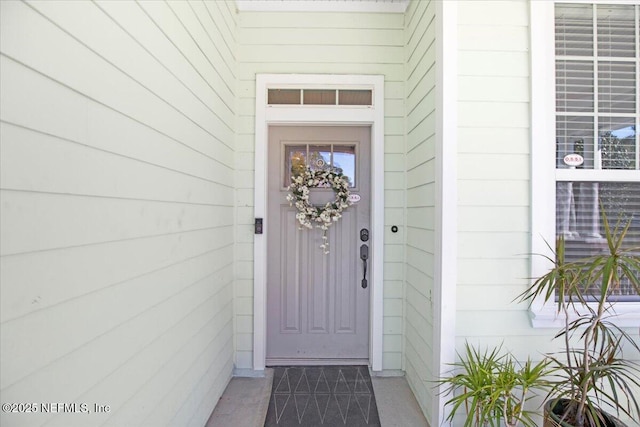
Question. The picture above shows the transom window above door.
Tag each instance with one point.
(342, 97)
(320, 156)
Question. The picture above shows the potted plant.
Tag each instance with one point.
(493, 388)
(592, 375)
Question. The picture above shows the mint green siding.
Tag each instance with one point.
(420, 110)
(117, 187)
(493, 166)
(494, 178)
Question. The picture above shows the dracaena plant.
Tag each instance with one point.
(592, 375)
(493, 388)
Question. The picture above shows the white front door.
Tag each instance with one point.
(317, 307)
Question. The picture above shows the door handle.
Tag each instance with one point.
(364, 256)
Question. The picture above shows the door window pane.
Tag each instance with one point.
(283, 97)
(355, 97)
(319, 97)
(295, 161)
(344, 158)
(319, 157)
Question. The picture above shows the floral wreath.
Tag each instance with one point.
(319, 216)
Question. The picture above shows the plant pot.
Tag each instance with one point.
(552, 417)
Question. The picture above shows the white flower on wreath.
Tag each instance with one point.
(322, 216)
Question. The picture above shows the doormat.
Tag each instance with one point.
(322, 396)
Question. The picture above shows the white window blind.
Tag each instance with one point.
(597, 117)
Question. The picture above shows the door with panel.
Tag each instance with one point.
(317, 303)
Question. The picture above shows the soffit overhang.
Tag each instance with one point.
(375, 6)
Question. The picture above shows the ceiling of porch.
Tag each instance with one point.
(378, 6)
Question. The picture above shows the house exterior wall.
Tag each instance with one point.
(118, 158)
(420, 92)
(317, 43)
(493, 173)
(493, 183)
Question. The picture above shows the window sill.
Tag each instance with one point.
(624, 315)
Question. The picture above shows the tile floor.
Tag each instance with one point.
(245, 401)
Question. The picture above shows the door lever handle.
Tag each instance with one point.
(364, 255)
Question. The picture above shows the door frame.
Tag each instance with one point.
(319, 115)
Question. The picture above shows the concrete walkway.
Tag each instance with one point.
(245, 401)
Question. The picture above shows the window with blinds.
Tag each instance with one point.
(597, 117)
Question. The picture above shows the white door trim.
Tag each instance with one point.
(334, 115)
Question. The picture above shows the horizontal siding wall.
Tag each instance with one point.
(493, 170)
(118, 154)
(420, 55)
(317, 43)
(494, 179)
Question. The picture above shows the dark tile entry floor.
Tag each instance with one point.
(322, 396)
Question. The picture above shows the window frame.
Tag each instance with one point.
(544, 173)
